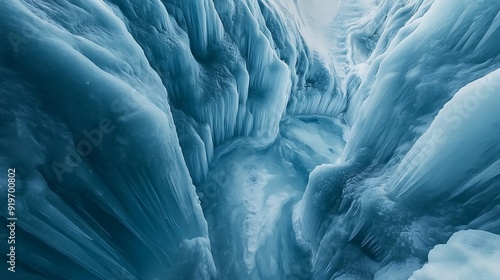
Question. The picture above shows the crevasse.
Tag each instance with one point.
(251, 139)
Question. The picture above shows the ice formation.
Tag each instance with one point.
(469, 254)
(251, 139)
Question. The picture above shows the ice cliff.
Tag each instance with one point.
(251, 139)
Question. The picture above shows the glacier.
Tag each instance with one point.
(251, 139)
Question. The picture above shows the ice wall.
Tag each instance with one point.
(459, 152)
(233, 67)
(252, 139)
(118, 100)
(441, 52)
(421, 160)
(103, 191)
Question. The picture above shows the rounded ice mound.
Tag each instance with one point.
(468, 254)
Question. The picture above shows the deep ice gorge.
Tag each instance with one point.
(251, 139)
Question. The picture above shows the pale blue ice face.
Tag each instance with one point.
(250, 139)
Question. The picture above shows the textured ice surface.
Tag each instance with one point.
(251, 139)
(470, 254)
